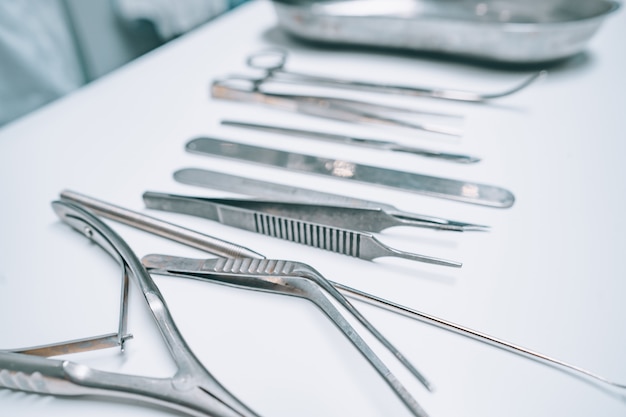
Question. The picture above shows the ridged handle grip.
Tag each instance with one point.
(237, 266)
(28, 373)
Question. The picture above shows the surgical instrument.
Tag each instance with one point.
(213, 269)
(192, 389)
(457, 190)
(352, 218)
(383, 145)
(286, 278)
(273, 61)
(271, 190)
(89, 343)
(439, 323)
(159, 227)
(354, 243)
(611, 386)
(221, 248)
(354, 111)
(297, 279)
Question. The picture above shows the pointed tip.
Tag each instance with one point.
(475, 228)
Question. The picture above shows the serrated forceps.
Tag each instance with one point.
(230, 249)
(273, 191)
(192, 390)
(295, 279)
(354, 218)
(250, 270)
(362, 245)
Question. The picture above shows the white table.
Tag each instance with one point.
(550, 275)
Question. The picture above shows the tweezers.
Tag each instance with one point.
(346, 110)
(612, 387)
(270, 190)
(362, 245)
(354, 218)
(192, 389)
(258, 273)
(288, 278)
(381, 145)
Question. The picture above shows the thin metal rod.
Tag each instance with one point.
(473, 334)
(438, 93)
(270, 190)
(274, 60)
(456, 328)
(350, 140)
(75, 346)
(159, 227)
(123, 319)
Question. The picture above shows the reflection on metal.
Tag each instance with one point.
(343, 169)
(451, 189)
(388, 216)
(510, 31)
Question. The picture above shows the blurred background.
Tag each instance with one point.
(50, 47)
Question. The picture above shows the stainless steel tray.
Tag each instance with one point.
(511, 31)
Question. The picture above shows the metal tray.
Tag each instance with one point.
(510, 31)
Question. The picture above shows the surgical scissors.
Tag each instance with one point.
(192, 390)
(353, 218)
(273, 62)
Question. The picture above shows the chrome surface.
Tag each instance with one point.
(351, 140)
(451, 189)
(271, 190)
(295, 279)
(159, 227)
(612, 387)
(345, 110)
(191, 390)
(518, 32)
(348, 242)
(273, 61)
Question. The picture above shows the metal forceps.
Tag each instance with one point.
(192, 390)
(250, 270)
(248, 90)
(250, 215)
(353, 218)
(270, 190)
(295, 279)
(230, 250)
(273, 61)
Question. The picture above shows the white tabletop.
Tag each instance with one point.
(549, 276)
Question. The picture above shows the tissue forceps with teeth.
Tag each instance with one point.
(230, 250)
(271, 190)
(288, 278)
(613, 387)
(354, 218)
(362, 245)
(192, 390)
(256, 272)
(273, 61)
